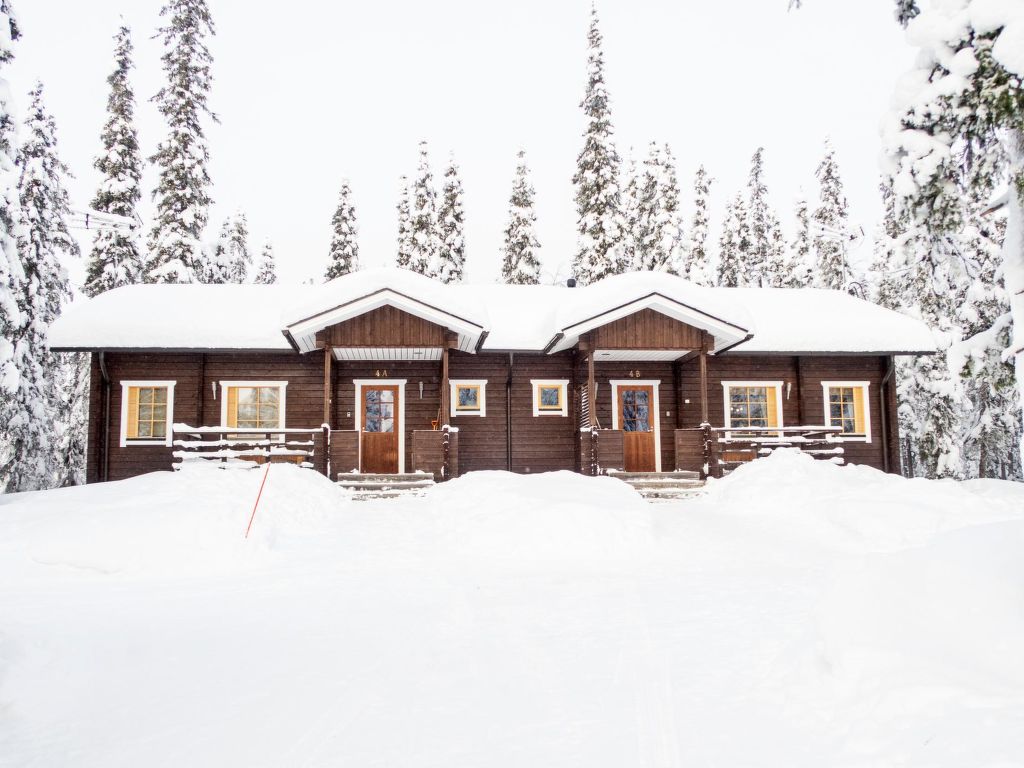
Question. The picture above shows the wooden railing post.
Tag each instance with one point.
(595, 466)
(708, 467)
(327, 450)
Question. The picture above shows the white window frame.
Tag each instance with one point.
(125, 441)
(399, 414)
(536, 384)
(281, 399)
(866, 386)
(453, 385)
(656, 406)
(725, 401)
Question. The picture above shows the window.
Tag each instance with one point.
(147, 409)
(469, 397)
(549, 397)
(846, 408)
(753, 403)
(255, 405)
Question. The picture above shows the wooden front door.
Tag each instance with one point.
(379, 425)
(636, 420)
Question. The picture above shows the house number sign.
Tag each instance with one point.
(381, 374)
(633, 374)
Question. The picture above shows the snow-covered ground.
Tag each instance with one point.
(801, 614)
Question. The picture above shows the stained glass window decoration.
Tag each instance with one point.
(549, 397)
(468, 397)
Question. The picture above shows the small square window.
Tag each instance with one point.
(468, 398)
(549, 397)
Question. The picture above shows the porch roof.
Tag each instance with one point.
(486, 317)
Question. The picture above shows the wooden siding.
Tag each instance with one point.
(420, 410)
(802, 395)
(646, 329)
(383, 327)
(539, 443)
(344, 451)
(428, 452)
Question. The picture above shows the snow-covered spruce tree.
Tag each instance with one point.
(424, 243)
(993, 416)
(698, 260)
(664, 244)
(451, 227)
(831, 224)
(34, 434)
(733, 245)
(344, 253)
(216, 267)
(116, 258)
(11, 271)
(520, 264)
(238, 249)
(800, 260)
(404, 252)
(598, 206)
(889, 269)
(631, 210)
(960, 118)
(266, 268)
(762, 222)
(182, 194)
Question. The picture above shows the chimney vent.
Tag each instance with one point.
(570, 283)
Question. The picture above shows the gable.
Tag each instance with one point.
(385, 326)
(646, 329)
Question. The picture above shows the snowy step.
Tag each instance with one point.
(381, 477)
(663, 486)
(389, 485)
(682, 474)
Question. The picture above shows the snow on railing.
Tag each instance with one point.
(238, 446)
(738, 445)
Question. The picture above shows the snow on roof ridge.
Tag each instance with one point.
(172, 316)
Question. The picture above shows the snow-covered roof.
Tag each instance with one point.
(496, 317)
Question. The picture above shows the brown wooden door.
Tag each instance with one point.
(379, 425)
(636, 420)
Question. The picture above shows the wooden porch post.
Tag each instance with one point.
(707, 469)
(328, 356)
(704, 381)
(591, 390)
(446, 446)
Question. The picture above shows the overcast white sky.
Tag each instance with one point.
(310, 92)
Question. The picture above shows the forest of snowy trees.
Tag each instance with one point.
(950, 249)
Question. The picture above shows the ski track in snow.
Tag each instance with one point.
(484, 626)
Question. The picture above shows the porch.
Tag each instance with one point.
(707, 451)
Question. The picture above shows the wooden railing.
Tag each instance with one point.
(727, 449)
(601, 450)
(436, 451)
(230, 445)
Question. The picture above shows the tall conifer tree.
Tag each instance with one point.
(116, 258)
(800, 262)
(266, 268)
(182, 194)
(11, 270)
(344, 252)
(733, 245)
(698, 260)
(520, 264)
(451, 227)
(34, 457)
(598, 204)
(831, 221)
(403, 256)
(424, 243)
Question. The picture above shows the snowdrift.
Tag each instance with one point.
(800, 614)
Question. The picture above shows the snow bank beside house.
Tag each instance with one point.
(168, 522)
(801, 614)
